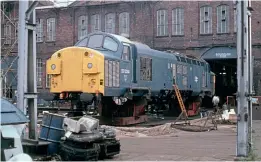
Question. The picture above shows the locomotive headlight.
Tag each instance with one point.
(89, 65)
(53, 66)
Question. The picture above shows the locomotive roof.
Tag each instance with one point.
(143, 48)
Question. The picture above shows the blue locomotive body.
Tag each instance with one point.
(135, 67)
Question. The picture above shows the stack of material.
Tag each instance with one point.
(109, 146)
(86, 140)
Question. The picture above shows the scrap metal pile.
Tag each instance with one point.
(86, 140)
(78, 140)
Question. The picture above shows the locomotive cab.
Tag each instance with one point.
(120, 59)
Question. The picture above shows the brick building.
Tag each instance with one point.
(201, 28)
(9, 49)
(192, 27)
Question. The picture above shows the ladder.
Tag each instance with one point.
(181, 104)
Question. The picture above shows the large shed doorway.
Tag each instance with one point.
(223, 62)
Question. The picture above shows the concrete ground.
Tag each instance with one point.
(181, 146)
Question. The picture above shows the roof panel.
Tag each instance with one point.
(10, 114)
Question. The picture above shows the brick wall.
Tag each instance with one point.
(143, 26)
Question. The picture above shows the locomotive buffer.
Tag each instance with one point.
(182, 106)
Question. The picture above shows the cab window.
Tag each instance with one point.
(110, 44)
(95, 41)
(82, 43)
(126, 53)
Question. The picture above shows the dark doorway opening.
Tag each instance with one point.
(226, 77)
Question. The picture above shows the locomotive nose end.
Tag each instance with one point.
(76, 69)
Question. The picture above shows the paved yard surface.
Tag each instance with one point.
(183, 146)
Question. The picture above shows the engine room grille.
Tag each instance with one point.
(112, 73)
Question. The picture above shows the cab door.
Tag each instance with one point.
(127, 65)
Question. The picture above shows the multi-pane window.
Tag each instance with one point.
(179, 69)
(184, 77)
(110, 23)
(205, 20)
(223, 19)
(203, 80)
(178, 21)
(39, 30)
(126, 53)
(51, 29)
(95, 23)
(235, 20)
(82, 26)
(145, 69)
(162, 23)
(39, 71)
(7, 33)
(48, 81)
(174, 73)
(124, 23)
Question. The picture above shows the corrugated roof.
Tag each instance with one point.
(11, 115)
(45, 3)
(92, 3)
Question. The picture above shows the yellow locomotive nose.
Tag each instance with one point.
(76, 69)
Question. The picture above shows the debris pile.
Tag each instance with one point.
(78, 140)
(161, 130)
(85, 140)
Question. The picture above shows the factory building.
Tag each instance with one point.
(205, 29)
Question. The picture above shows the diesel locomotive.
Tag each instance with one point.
(122, 78)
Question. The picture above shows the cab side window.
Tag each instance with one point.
(82, 43)
(126, 53)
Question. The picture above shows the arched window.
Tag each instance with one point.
(223, 19)
(96, 22)
(162, 23)
(82, 27)
(110, 23)
(205, 20)
(124, 23)
(51, 29)
(178, 21)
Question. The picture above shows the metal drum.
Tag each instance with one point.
(52, 131)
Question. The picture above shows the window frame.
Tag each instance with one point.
(82, 28)
(122, 20)
(145, 58)
(235, 20)
(178, 21)
(51, 37)
(48, 80)
(107, 18)
(82, 41)
(39, 31)
(130, 52)
(164, 25)
(204, 19)
(7, 34)
(113, 40)
(39, 72)
(95, 22)
(220, 18)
